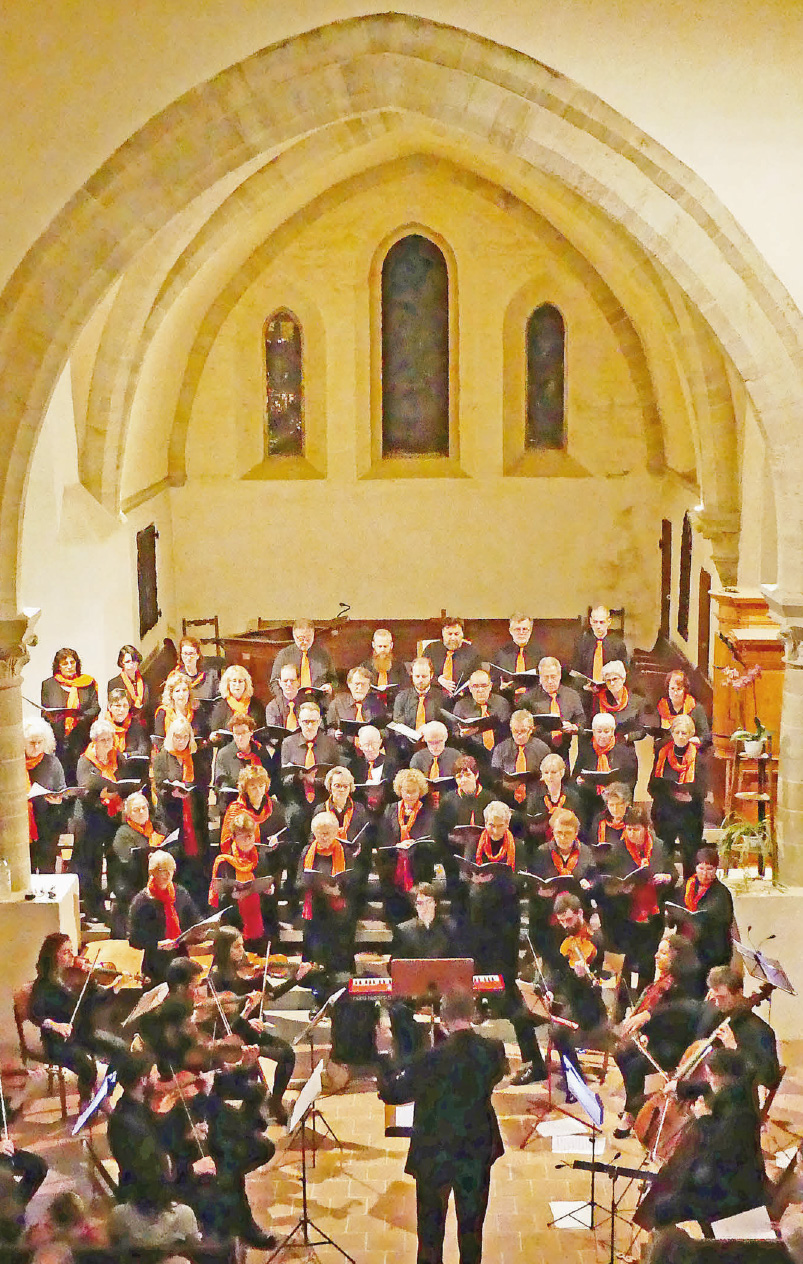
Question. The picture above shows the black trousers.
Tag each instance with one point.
(28, 1170)
(470, 1185)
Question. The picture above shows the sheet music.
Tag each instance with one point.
(578, 1143)
(753, 1226)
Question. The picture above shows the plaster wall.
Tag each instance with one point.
(78, 563)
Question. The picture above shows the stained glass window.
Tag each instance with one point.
(546, 347)
(284, 386)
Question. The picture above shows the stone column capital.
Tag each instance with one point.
(721, 529)
(16, 638)
(787, 609)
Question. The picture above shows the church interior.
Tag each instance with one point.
(212, 219)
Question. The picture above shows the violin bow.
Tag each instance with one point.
(264, 984)
(561, 1022)
(90, 972)
(220, 1009)
(192, 1123)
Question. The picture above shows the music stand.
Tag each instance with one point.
(429, 978)
(304, 1106)
(591, 1103)
(613, 1172)
(309, 1032)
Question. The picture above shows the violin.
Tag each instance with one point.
(579, 949)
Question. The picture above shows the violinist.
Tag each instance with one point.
(159, 914)
(136, 839)
(634, 918)
(747, 1032)
(255, 910)
(574, 978)
(677, 786)
(231, 974)
(97, 814)
(711, 903)
(236, 698)
(237, 754)
(494, 925)
(717, 1169)
(46, 813)
(64, 1001)
(223, 1069)
(70, 700)
(182, 804)
(131, 681)
(666, 1015)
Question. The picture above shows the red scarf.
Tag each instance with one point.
(189, 836)
(72, 685)
(506, 855)
(249, 906)
(120, 731)
(338, 856)
(136, 692)
(403, 877)
(684, 766)
(695, 892)
(667, 712)
(114, 803)
(566, 865)
(167, 898)
(606, 705)
(30, 764)
(643, 903)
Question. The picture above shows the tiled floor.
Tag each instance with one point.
(360, 1196)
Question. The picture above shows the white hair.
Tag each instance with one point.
(36, 728)
(498, 809)
(602, 718)
(101, 728)
(435, 729)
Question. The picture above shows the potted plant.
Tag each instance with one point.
(739, 839)
(754, 739)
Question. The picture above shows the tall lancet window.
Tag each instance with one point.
(545, 425)
(415, 350)
(284, 386)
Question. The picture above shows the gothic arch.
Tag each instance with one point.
(460, 84)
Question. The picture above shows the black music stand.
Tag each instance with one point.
(304, 1106)
(591, 1103)
(309, 1033)
(613, 1172)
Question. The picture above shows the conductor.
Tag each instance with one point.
(456, 1136)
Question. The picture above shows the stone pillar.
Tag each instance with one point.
(14, 841)
(788, 610)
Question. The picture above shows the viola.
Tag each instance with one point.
(578, 948)
(163, 1095)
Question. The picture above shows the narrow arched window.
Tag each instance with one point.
(415, 350)
(284, 386)
(684, 583)
(546, 350)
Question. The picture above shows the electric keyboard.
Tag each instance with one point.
(368, 985)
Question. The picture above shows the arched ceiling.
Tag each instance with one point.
(183, 213)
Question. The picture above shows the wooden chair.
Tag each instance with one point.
(211, 622)
(33, 1053)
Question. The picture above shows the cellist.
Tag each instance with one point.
(747, 1032)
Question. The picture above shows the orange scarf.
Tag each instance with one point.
(605, 825)
(338, 865)
(148, 832)
(170, 714)
(72, 700)
(249, 907)
(109, 771)
(136, 692)
(343, 828)
(238, 706)
(612, 707)
(167, 898)
(694, 892)
(30, 764)
(404, 867)
(184, 757)
(242, 805)
(667, 713)
(506, 854)
(602, 752)
(120, 731)
(684, 766)
(566, 865)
